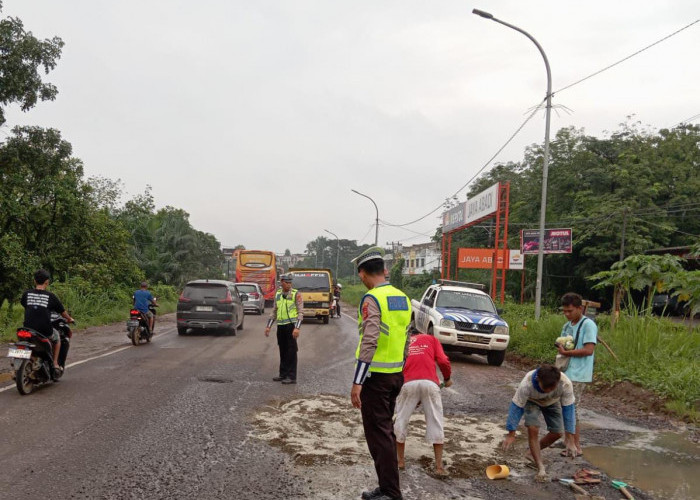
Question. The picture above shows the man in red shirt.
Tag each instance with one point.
(421, 386)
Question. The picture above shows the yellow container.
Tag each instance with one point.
(497, 471)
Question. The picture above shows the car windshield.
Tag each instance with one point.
(204, 291)
(465, 300)
(246, 288)
(306, 282)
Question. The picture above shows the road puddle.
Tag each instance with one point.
(664, 464)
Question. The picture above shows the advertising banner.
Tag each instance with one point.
(516, 260)
(482, 258)
(555, 241)
(454, 217)
(483, 204)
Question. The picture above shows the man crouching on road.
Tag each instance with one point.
(547, 391)
(384, 315)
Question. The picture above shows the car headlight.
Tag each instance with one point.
(447, 323)
(325, 304)
(501, 330)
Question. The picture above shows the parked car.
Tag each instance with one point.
(671, 304)
(463, 318)
(210, 305)
(255, 298)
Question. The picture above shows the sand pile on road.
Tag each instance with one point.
(326, 429)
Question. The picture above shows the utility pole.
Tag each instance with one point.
(617, 298)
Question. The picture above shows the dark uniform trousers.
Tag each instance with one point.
(288, 351)
(378, 397)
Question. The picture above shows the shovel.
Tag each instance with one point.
(623, 488)
(571, 484)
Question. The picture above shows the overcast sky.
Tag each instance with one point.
(258, 117)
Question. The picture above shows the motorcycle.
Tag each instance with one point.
(34, 353)
(137, 327)
(335, 307)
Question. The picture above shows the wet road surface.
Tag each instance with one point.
(181, 418)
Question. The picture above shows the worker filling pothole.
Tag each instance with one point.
(326, 429)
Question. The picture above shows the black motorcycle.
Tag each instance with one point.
(137, 327)
(34, 353)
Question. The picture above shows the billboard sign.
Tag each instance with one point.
(454, 218)
(478, 207)
(482, 258)
(483, 204)
(555, 241)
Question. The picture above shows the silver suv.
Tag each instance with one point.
(255, 300)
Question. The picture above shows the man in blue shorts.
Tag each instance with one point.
(549, 392)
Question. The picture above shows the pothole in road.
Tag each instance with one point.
(215, 380)
(326, 429)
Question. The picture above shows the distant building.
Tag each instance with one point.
(287, 261)
(417, 258)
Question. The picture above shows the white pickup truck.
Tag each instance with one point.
(463, 318)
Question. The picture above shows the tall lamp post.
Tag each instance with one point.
(337, 252)
(376, 230)
(545, 163)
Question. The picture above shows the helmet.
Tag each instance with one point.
(339, 285)
(286, 277)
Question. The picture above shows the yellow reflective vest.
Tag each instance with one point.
(395, 311)
(286, 307)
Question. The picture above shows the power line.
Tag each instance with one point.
(666, 227)
(539, 106)
(687, 120)
(517, 131)
(626, 58)
(371, 226)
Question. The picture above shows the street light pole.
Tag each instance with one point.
(545, 163)
(337, 252)
(376, 230)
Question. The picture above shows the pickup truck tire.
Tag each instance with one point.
(431, 332)
(181, 330)
(325, 320)
(495, 358)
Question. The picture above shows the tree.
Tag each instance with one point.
(21, 57)
(49, 217)
(396, 273)
(644, 180)
(641, 273)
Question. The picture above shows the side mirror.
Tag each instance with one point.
(499, 311)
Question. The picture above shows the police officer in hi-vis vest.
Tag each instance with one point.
(384, 316)
(288, 312)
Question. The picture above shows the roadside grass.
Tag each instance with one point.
(88, 304)
(654, 353)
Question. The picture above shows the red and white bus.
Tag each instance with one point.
(258, 266)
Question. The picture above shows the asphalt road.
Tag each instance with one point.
(174, 419)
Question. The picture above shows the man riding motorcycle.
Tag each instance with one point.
(38, 304)
(142, 299)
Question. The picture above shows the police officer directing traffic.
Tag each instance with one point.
(384, 316)
(288, 312)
